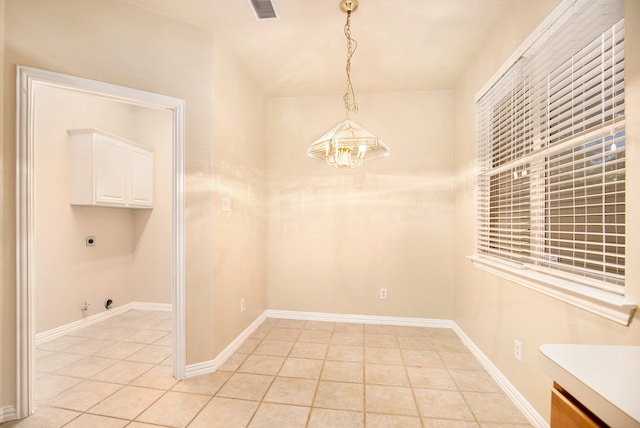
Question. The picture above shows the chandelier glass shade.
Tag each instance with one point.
(348, 145)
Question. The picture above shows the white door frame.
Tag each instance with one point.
(28, 80)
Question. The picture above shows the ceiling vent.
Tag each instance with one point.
(263, 9)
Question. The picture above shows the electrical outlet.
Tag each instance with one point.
(517, 349)
(226, 203)
(383, 293)
(242, 305)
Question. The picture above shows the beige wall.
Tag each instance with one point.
(493, 311)
(132, 257)
(151, 241)
(336, 237)
(239, 234)
(119, 43)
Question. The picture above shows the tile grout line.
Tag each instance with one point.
(413, 392)
(121, 386)
(364, 376)
(300, 329)
(255, 412)
(315, 392)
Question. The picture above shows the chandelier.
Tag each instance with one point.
(348, 145)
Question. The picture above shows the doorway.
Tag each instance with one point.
(33, 86)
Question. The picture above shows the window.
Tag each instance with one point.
(551, 153)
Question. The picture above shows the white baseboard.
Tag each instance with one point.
(362, 319)
(511, 391)
(212, 365)
(8, 413)
(54, 333)
(144, 306)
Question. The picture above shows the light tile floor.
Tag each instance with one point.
(289, 373)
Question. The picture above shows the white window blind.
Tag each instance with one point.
(551, 152)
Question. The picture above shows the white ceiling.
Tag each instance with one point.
(403, 45)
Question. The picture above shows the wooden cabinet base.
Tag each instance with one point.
(566, 412)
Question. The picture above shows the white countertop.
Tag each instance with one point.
(606, 379)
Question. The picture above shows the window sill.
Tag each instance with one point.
(607, 305)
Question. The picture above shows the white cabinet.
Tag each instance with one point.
(106, 170)
(109, 159)
(141, 178)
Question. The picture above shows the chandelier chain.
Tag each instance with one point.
(349, 96)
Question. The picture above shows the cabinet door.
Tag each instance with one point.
(141, 178)
(567, 414)
(111, 159)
